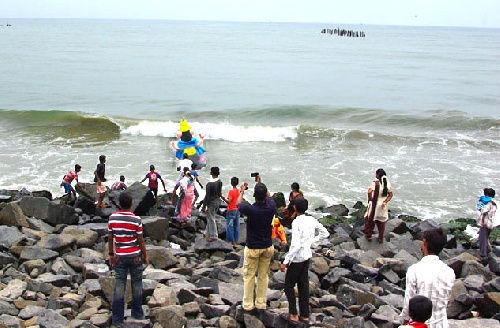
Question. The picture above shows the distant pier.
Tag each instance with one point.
(343, 32)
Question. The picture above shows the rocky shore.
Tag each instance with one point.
(54, 270)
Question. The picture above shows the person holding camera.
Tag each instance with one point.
(259, 245)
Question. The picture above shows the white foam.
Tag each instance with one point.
(214, 131)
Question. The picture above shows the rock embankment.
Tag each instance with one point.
(54, 271)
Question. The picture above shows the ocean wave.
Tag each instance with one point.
(214, 131)
(274, 124)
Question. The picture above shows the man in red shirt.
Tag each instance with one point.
(153, 177)
(232, 214)
(67, 179)
(127, 256)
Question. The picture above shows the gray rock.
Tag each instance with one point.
(55, 280)
(387, 313)
(57, 242)
(475, 268)
(202, 245)
(36, 207)
(348, 296)
(95, 270)
(10, 321)
(319, 265)
(473, 323)
(156, 228)
(60, 267)
(212, 311)
(39, 225)
(36, 252)
(226, 275)
(12, 215)
(396, 226)
(333, 276)
(163, 296)
(169, 316)
(6, 258)
(227, 322)
(8, 235)
(231, 293)
(50, 318)
(84, 237)
(418, 228)
(14, 289)
(161, 257)
(492, 285)
(474, 282)
(100, 228)
(8, 308)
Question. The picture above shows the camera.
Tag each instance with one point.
(254, 175)
(245, 186)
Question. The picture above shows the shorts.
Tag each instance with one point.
(67, 187)
(101, 189)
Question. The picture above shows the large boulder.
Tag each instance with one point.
(12, 215)
(57, 242)
(36, 252)
(36, 207)
(84, 237)
(8, 235)
(155, 227)
(161, 257)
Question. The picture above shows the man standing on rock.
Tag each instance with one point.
(431, 278)
(259, 245)
(125, 233)
(306, 231)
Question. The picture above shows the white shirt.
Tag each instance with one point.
(306, 230)
(186, 162)
(432, 278)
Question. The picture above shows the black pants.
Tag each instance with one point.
(297, 273)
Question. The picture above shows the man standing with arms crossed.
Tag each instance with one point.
(127, 255)
(259, 246)
(431, 278)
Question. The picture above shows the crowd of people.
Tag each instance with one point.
(428, 282)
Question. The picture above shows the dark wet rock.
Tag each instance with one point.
(488, 304)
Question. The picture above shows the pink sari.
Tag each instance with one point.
(187, 203)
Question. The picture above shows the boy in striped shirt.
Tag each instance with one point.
(127, 251)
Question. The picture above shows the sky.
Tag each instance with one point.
(476, 13)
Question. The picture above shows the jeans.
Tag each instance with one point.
(298, 273)
(256, 262)
(122, 266)
(233, 226)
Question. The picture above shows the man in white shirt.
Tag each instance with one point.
(184, 162)
(306, 230)
(431, 278)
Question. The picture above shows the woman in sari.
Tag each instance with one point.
(187, 187)
(289, 212)
(377, 213)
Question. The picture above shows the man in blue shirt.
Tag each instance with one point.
(259, 245)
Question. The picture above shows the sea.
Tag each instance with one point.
(281, 99)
